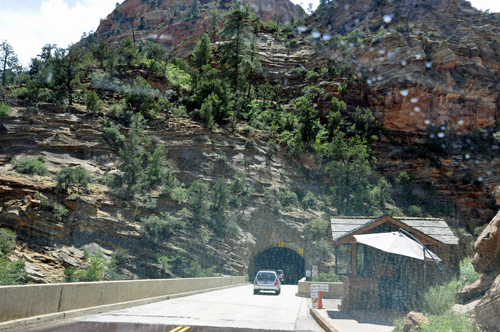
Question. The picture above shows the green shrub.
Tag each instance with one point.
(121, 257)
(29, 165)
(96, 267)
(468, 274)
(57, 210)
(7, 241)
(309, 201)
(70, 274)
(73, 177)
(4, 109)
(415, 211)
(326, 277)
(93, 103)
(177, 77)
(158, 229)
(287, 198)
(438, 300)
(111, 133)
(449, 321)
(11, 273)
(395, 212)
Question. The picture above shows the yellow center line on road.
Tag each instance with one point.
(234, 305)
(186, 328)
(213, 308)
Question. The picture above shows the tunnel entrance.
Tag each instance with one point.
(285, 259)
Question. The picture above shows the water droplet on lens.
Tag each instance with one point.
(418, 56)
(302, 28)
(443, 128)
(480, 179)
(441, 135)
(326, 37)
(387, 18)
(467, 156)
(381, 52)
(346, 7)
(403, 63)
(316, 34)
(461, 122)
(379, 78)
(342, 42)
(417, 109)
(428, 64)
(370, 69)
(427, 122)
(351, 44)
(404, 92)
(432, 136)
(414, 100)
(369, 81)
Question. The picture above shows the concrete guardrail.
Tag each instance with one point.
(18, 302)
(335, 289)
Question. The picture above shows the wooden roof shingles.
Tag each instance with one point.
(435, 228)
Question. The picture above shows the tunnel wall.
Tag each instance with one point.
(17, 302)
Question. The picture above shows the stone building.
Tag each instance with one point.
(375, 279)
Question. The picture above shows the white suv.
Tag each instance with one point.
(266, 280)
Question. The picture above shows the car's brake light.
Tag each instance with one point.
(255, 281)
(276, 282)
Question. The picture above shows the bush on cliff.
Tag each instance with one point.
(29, 165)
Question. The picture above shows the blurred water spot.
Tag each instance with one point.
(432, 135)
(443, 128)
(315, 34)
(480, 179)
(379, 78)
(390, 54)
(427, 122)
(404, 92)
(417, 109)
(461, 122)
(370, 69)
(414, 100)
(467, 156)
(418, 56)
(387, 18)
(403, 63)
(326, 37)
(302, 28)
(381, 52)
(369, 81)
(166, 37)
(351, 44)
(428, 64)
(346, 7)
(151, 36)
(441, 135)
(343, 42)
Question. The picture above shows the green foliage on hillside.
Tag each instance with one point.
(11, 273)
(29, 165)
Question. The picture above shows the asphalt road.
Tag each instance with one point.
(233, 309)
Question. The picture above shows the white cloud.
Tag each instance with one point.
(57, 22)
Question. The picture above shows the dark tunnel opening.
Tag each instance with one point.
(285, 259)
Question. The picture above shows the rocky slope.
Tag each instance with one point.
(164, 29)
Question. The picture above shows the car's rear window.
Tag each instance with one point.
(265, 276)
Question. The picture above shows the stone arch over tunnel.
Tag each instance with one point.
(292, 264)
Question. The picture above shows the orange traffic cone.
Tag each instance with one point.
(320, 301)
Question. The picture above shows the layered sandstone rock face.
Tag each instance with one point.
(167, 30)
(437, 62)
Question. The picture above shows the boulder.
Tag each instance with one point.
(487, 311)
(475, 290)
(414, 320)
(487, 258)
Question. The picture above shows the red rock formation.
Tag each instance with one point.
(164, 30)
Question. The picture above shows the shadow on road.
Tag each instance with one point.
(379, 317)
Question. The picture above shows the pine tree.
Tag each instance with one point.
(236, 32)
(67, 67)
(101, 52)
(214, 19)
(8, 59)
(203, 51)
(195, 8)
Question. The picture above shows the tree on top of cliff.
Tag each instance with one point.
(8, 60)
(236, 32)
(67, 64)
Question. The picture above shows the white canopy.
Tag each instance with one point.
(396, 243)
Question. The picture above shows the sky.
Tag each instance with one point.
(30, 24)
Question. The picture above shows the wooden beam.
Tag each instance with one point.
(354, 259)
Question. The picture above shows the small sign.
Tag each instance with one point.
(320, 287)
(314, 294)
(308, 273)
(315, 271)
(301, 251)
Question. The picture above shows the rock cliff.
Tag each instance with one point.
(162, 26)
